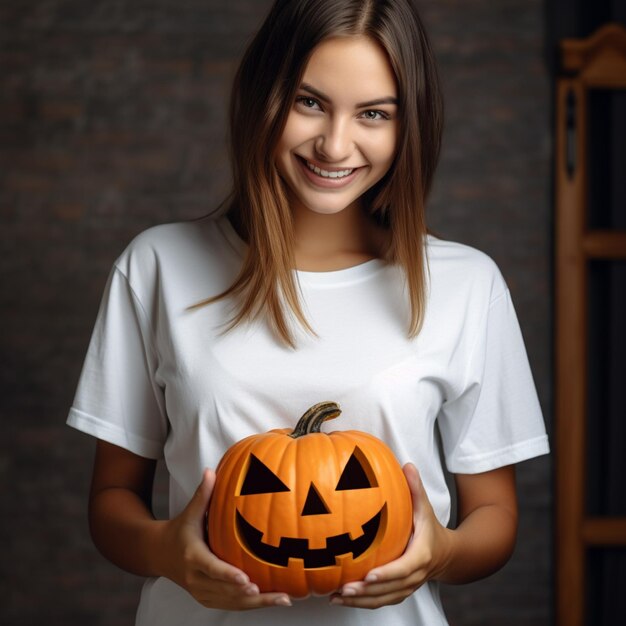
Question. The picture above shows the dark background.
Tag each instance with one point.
(112, 119)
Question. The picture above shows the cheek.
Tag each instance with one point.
(293, 136)
(297, 130)
(382, 149)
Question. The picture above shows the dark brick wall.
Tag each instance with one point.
(112, 118)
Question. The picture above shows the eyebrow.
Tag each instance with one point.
(325, 98)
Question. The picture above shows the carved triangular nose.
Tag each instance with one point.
(314, 504)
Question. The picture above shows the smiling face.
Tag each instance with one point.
(341, 133)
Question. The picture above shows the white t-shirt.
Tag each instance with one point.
(161, 381)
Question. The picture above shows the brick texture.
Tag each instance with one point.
(112, 119)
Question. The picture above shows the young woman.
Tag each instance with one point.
(319, 282)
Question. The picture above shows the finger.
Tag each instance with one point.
(203, 560)
(202, 585)
(372, 602)
(415, 485)
(422, 508)
(361, 589)
(266, 599)
(237, 599)
(415, 554)
(215, 569)
(401, 568)
(199, 502)
(199, 559)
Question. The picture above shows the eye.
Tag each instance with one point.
(373, 118)
(307, 102)
(260, 479)
(357, 474)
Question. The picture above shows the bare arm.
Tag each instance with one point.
(485, 536)
(120, 517)
(125, 531)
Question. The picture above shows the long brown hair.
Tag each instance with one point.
(263, 92)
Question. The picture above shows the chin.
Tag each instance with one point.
(322, 208)
(326, 210)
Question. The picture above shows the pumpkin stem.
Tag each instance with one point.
(312, 420)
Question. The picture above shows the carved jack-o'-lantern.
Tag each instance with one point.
(304, 512)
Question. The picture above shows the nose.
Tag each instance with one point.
(314, 504)
(335, 143)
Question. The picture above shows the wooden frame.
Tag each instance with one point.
(598, 62)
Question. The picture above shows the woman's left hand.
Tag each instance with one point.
(425, 558)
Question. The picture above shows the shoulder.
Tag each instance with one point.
(164, 239)
(175, 244)
(180, 261)
(463, 269)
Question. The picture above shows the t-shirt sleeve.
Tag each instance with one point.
(117, 398)
(496, 420)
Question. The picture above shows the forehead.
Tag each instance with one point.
(351, 68)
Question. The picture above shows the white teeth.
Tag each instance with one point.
(326, 174)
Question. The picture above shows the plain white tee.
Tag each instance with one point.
(162, 381)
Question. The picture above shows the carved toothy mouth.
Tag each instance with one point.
(295, 548)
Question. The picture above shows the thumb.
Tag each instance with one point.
(199, 502)
(423, 513)
(418, 494)
(415, 483)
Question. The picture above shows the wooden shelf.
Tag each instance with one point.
(604, 531)
(605, 244)
(598, 62)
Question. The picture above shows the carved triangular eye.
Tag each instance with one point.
(355, 475)
(260, 479)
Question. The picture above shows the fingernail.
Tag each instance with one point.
(241, 579)
(371, 578)
(348, 591)
(251, 590)
(283, 601)
(336, 600)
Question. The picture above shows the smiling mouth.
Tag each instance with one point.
(333, 178)
(329, 173)
(294, 548)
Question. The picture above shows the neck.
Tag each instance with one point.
(330, 242)
(334, 241)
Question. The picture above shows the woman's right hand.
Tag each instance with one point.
(187, 560)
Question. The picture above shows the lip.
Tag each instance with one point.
(328, 183)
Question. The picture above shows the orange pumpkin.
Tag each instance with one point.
(305, 512)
